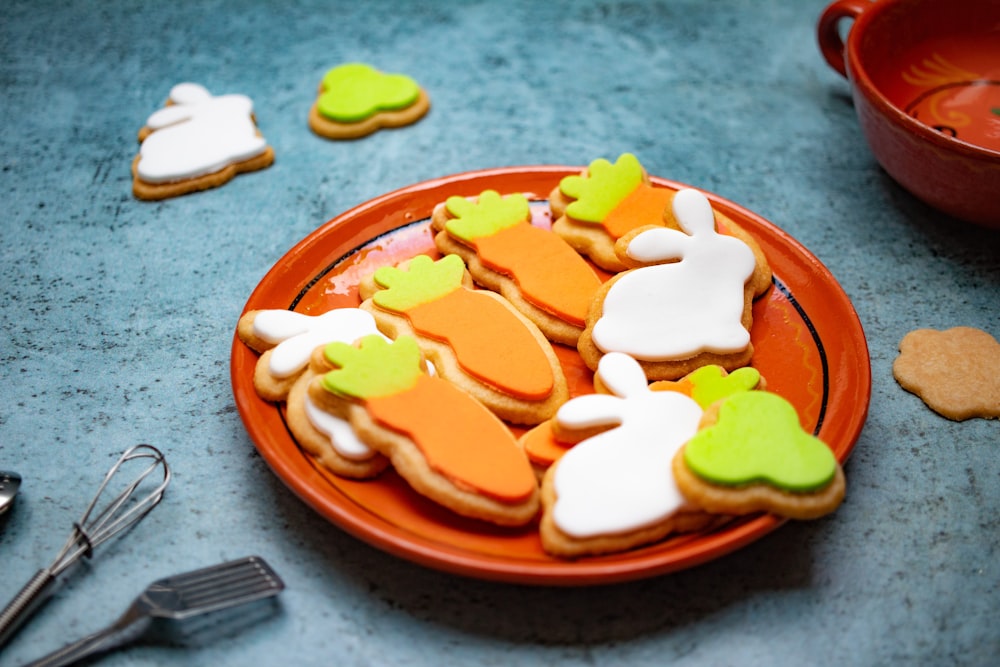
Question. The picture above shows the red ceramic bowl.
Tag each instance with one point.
(925, 78)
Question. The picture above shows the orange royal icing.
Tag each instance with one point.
(460, 438)
(541, 445)
(643, 206)
(549, 272)
(489, 342)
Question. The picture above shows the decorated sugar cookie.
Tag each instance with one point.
(614, 490)
(444, 443)
(596, 208)
(534, 269)
(198, 141)
(474, 338)
(288, 341)
(546, 443)
(712, 383)
(751, 454)
(328, 437)
(356, 100)
(955, 372)
(690, 309)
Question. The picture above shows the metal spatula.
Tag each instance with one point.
(176, 598)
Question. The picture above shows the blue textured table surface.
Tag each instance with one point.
(117, 318)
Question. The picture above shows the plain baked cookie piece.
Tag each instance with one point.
(196, 142)
(955, 372)
(355, 100)
(445, 444)
(688, 303)
(537, 271)
(751, 454)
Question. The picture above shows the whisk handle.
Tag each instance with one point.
(80, 649)
(38, 589)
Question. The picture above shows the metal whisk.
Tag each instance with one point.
(94, 527)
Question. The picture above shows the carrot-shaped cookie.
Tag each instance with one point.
(594, 209)
(534, 269)
(474, 338)
(445, 444)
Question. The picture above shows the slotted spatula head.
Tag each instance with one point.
(210, 589)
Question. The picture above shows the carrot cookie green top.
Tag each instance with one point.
(487, 216)
(376, 368)
(457, 435)
(603, 188)
(616, 196)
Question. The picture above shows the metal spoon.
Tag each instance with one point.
(10, 482)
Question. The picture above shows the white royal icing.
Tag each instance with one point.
(621, 480)
(198, 134)
(298, 334)
(342, 437)
(685, 307)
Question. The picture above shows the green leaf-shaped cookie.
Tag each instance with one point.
(757, 438)
(711, 383)
(355, 91)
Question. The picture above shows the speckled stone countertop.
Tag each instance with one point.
(117, 319)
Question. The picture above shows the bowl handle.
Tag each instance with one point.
(828, 30)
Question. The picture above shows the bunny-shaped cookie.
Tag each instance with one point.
(287, 341)
(688, 305)
(198, 141)
(615, 489)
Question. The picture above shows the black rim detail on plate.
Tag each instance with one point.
(781, 287)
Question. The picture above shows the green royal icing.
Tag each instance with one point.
(375, 368)
(710, 384)
(488, 215)
(757, 438)
(354, 92)
(604, 187)
(423, 281)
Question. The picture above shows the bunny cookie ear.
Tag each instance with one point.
(693, 212)
(189, 93)
(621, 375)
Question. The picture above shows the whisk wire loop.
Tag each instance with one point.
(121, 513)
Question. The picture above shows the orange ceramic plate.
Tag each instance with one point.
(808, 344)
